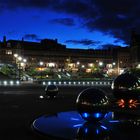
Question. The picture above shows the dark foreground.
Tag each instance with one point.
(20, 106)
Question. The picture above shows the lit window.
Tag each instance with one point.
(90, 65)
(51, 64)
(9, 52)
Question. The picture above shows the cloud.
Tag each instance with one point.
(116, 18)
(63, 21)
(113, 17)
(31, 37)
(85, 42)
(107, 46)
(79, 7)
(24, 3)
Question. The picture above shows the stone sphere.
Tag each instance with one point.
(92, 104)
(126, 85)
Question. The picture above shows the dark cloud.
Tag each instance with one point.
(80, 8)
(24, 3)
(85, 42)
(31, 37)
(107, 46)
(113, 17)
(64, 21)
(117, 18)
(77, 7)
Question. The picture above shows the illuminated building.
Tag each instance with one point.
(56, 55)
(135, 49)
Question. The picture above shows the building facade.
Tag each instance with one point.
(135, 49)
(54, 54)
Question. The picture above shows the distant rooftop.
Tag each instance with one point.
(45, 44)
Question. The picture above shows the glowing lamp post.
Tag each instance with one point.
(24, 60)
(113, 63)
(100, 64)
(15, 55)
(19, 65)
(20, 62)
(78, 63)
(41, 65)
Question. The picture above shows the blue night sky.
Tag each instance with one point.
(76, 23)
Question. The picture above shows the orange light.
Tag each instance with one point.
(128, 103)
(133, 103)
(121, 103)
(123, 106)
(40, 69)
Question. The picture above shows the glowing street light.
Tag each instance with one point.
(83, 66)
(41, 63)
(114, 63)
(20, 62)
(19, 58)
(15, 55)
(24, 60)
(100, 63)
(138, 66)
(78, 63)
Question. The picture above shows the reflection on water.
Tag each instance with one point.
(92, 131)
(70, 125)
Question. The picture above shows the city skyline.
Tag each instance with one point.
(77, 24)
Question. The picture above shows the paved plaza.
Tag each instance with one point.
(20, 105)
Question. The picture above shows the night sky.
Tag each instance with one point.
(77, 23)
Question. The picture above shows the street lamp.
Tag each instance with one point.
(78, 63)
(20, 62)
(24, 60)
(19, 58)
(114, 63)
(100, 63)
(83, 66)
(138, 66)
(41, 64)
(15, 55)
(19, 65)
